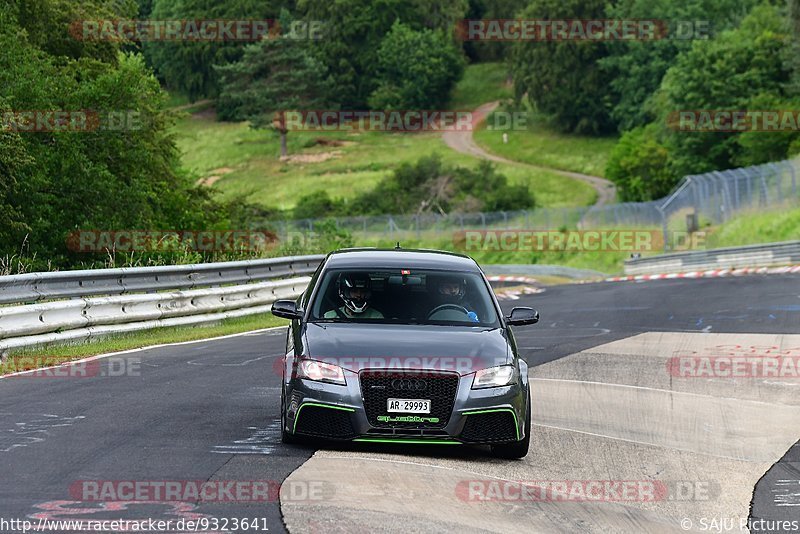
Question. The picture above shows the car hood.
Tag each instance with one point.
(406, 347)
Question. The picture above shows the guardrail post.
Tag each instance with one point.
(663, 227)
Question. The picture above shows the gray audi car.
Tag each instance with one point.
(404, 346)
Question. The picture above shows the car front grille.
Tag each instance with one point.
(377, 386)
(490, 427)
(325, 422)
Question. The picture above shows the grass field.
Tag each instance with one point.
(756, 228)
(245, 161)
(605, 262)
(541, 145)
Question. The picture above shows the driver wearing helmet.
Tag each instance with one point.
(453, 290)
(354, 290)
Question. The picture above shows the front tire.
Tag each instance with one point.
(286, 436)
(517, 449)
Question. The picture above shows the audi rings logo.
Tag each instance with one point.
(409, 384)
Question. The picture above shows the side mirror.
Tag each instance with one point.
(286, 309)
(522, 316)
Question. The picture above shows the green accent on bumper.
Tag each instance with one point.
(407, 419)
(513, 413)
(412, 441)
(331, 406)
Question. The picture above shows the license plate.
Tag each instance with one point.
(408, 405)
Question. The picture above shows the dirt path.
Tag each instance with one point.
(463, 142)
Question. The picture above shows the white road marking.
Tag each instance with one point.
(140, 349)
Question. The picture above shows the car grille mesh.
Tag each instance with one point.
(490, 427)
(378, 386)
(325, 422)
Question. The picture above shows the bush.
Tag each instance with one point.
(316, 205)
(431, 186)
(416, 69)
(638, 165)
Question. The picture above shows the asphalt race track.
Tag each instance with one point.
(606, 408)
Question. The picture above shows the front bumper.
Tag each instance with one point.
(492, 415)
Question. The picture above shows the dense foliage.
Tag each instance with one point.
(387, 54)
(564, 80)
(55, 182)
(427, 186)
(187, 66)
(355, 31)
(739, 69)
(416, 69)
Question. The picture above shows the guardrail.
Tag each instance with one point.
(142, 298)
(768, 255)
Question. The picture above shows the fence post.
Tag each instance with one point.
(663, 227)
(763, 198)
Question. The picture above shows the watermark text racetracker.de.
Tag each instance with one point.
(521, 491)
(400, 366)
(43, 366)
(89, 241)
(737, 361)
(191, 30)
(401, 121)
(635, 241)
(216, 491)
(73, 121)
(734, 120)
(581, 29)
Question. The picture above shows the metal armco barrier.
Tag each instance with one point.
(768, 255)
(139, 298)
(69, 284)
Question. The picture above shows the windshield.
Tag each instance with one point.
(405, 296)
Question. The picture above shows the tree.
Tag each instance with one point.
(490, 9)
(54, 25)
(637, 67)
(14, 160)
(317, 204)
(563, 79)
(733, 71)
(416, 69)
(353, 33)
(56, 182)
(638, 165)
(792, 51)
(188, 67)
(273, 77)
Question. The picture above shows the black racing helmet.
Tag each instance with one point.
(355, 290)
(450, 288)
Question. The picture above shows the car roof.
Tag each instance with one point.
(400, 258)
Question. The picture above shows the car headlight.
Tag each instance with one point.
(321, 372)
(493, 377)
